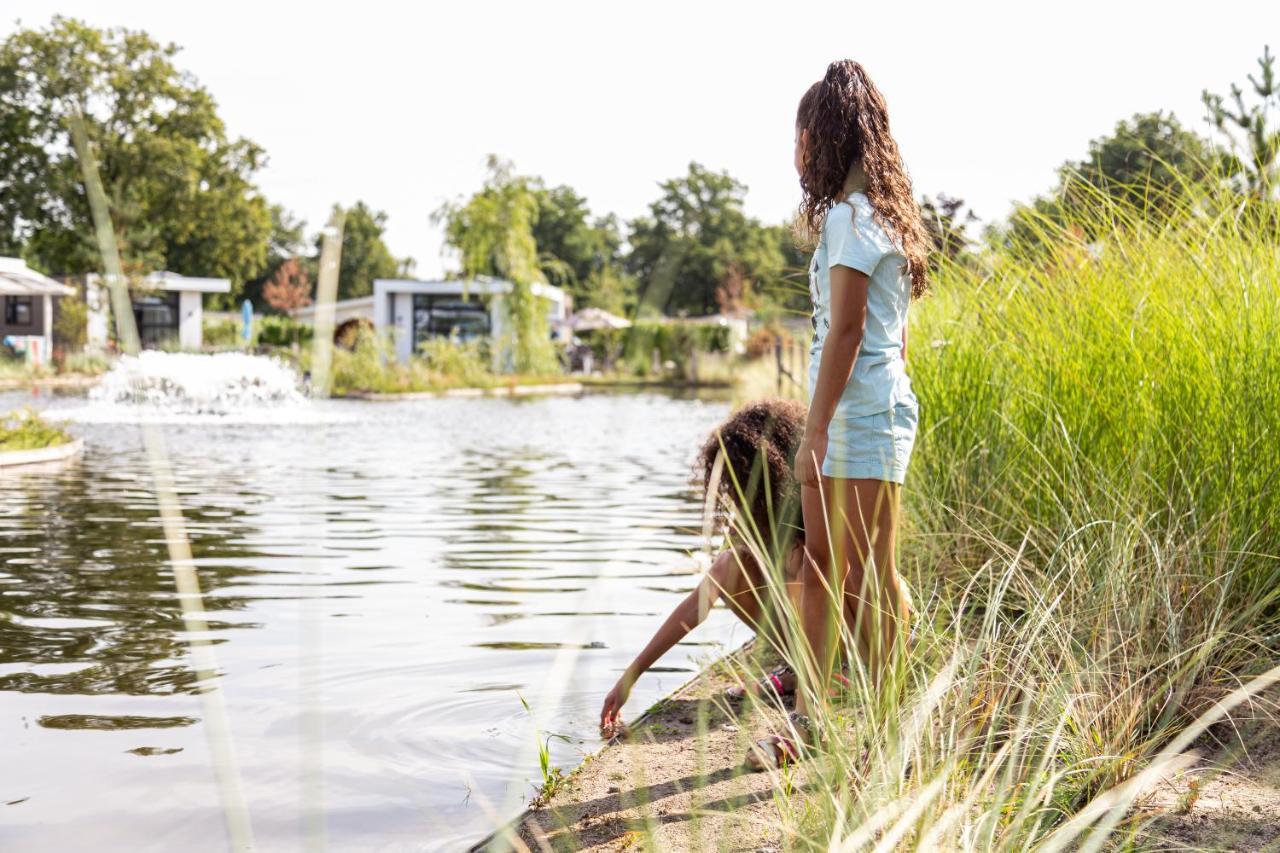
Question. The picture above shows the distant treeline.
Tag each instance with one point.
(184, 197)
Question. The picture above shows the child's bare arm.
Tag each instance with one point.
(688, 614)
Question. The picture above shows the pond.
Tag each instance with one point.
(384, 583)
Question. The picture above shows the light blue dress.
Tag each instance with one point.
(872, 433)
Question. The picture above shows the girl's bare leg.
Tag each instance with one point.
(855, 555)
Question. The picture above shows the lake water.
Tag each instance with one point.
(384, 583)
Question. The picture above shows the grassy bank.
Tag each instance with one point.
(1090, 534)
(26, 430)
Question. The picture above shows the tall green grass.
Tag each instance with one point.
(1089, 530)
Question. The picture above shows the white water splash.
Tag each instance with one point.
(199, 384)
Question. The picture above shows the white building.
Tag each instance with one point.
(168, 309)
(410, 311)
(26, 312)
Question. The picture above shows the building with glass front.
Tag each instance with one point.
(411, 312)
(27, 310)
(168, 309)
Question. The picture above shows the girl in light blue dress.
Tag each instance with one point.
(870, 261)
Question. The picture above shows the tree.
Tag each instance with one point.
(574, 251)
(365, 256)
(289, 287)
(493, 234)
(71, 324)
(947, 222)
(696, 239)
(610, 288)
(286, 242)
(181, 192)
(1150, 167)
(1253, 162)
(1150, 164)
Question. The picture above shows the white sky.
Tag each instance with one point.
(398, 104)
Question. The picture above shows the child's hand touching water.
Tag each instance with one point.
(771, 430)
(611, 714)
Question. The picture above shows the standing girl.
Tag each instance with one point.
(871, 259)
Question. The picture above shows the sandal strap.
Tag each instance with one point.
(781, 750)
(803, 725)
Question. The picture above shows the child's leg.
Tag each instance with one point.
(752, 602)
(851, 537)
(876, 600)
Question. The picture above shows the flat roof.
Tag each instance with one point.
(18, 279)
(481, 285)
(171, 281)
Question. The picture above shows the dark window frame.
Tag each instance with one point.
(442, 315)
(11, 306)
(153, 328)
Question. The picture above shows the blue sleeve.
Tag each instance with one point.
(854, 239)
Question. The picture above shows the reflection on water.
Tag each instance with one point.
(384, 584)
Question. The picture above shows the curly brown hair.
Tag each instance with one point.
(848, 124)
(759, 444)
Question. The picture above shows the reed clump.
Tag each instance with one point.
(1089, 531)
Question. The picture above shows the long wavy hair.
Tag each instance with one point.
(848, 125)
(755, 450)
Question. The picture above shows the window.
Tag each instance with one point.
(157, 317)
(448, 316)
(17, 310)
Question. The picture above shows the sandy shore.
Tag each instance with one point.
(677, 775)
(1230, 799)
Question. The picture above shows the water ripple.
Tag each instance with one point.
(384, 585)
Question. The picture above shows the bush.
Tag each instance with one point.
(221, 334)
(366, 366)
(280, 331)
(371, 366)
(764, 339)
(465, 361)
(675, 341)
(71, 323)
(85, 363)
(26, 430)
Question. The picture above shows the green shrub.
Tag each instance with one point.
(86, 363)
(465, 361)
(71, 323)
(368, 366)
(26, 430)
(221, 334)
(280, 331)
(674, 341)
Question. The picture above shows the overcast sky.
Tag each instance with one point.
(398, 103)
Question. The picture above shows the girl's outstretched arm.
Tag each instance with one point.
(687, 615)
